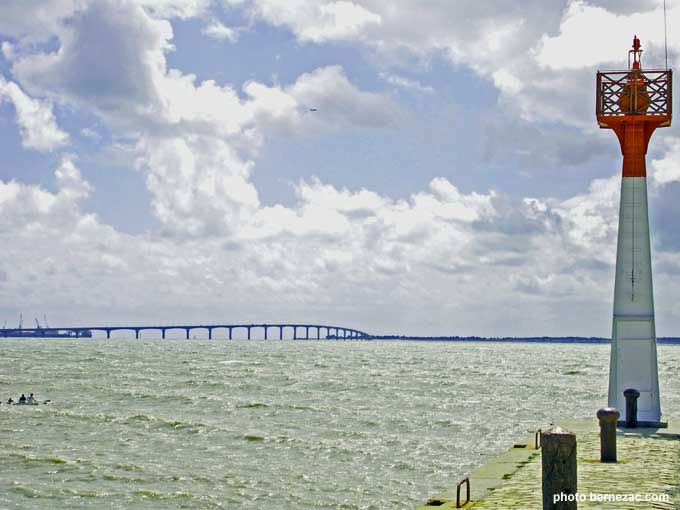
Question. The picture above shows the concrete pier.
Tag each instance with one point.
(649, 464)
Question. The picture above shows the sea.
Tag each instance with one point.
(285, 425)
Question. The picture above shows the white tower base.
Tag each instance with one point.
(633, 361)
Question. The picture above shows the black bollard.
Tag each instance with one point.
(558, 460)
(631, 395)
(608, 418)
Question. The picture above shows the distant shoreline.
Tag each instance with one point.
(537, 339)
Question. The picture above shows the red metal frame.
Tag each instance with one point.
(634, 103)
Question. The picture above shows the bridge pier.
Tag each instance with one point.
(108, 333)
(230, 333)
(248, 328)
(163, 333)
(136, 334)
(306, 332)
(266, 331)
(187, 330)
(280, 332)
(210, 333)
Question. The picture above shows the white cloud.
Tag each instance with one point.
(335, 254)
(321, 101)
(194, 141)
(319, 21)
(541, 55)
(38, 211)
(111, 59)
(581, 44)
(219, 31)
(667, 169)
(591, 219)
(38, 127)
(406, 83)
(7, 50)
(199, 186)
(34, 22)
(90, 133)
(182, 9)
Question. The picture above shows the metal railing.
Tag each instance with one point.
(634, 92)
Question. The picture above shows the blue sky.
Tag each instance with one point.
(162, 161)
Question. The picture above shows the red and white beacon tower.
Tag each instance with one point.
(633, 104)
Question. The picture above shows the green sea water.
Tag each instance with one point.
(279, 425)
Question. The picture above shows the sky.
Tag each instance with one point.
(422, 167)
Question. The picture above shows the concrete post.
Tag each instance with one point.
(631, 395)
(608, 417)
(558, 459)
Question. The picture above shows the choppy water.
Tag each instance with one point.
(285, 425)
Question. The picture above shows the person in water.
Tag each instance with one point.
(22, 398)
(10, 400)
(30, 398)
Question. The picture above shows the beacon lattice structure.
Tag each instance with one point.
(633, 103)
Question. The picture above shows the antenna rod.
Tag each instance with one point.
(665, 34)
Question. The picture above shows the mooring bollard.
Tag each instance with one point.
(631, 395)
(558, 459)
(608, 418)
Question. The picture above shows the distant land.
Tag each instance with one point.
(537, 339)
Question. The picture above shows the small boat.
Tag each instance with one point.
(34, 403)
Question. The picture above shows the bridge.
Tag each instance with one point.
(295, 331)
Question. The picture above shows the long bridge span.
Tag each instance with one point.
(267, 331)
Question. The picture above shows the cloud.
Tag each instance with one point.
(90, 133)
(199, 186)
(110, 59)
(182, 9)
(193, 141)
(35, 22)
(580, 44)
(666, 170)
(38, 127)
(218, 31)
(318, 21)
(540, 147)
(335, 253)
(406, 83)
(37, 210)
(540, 55)
(320, 101)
